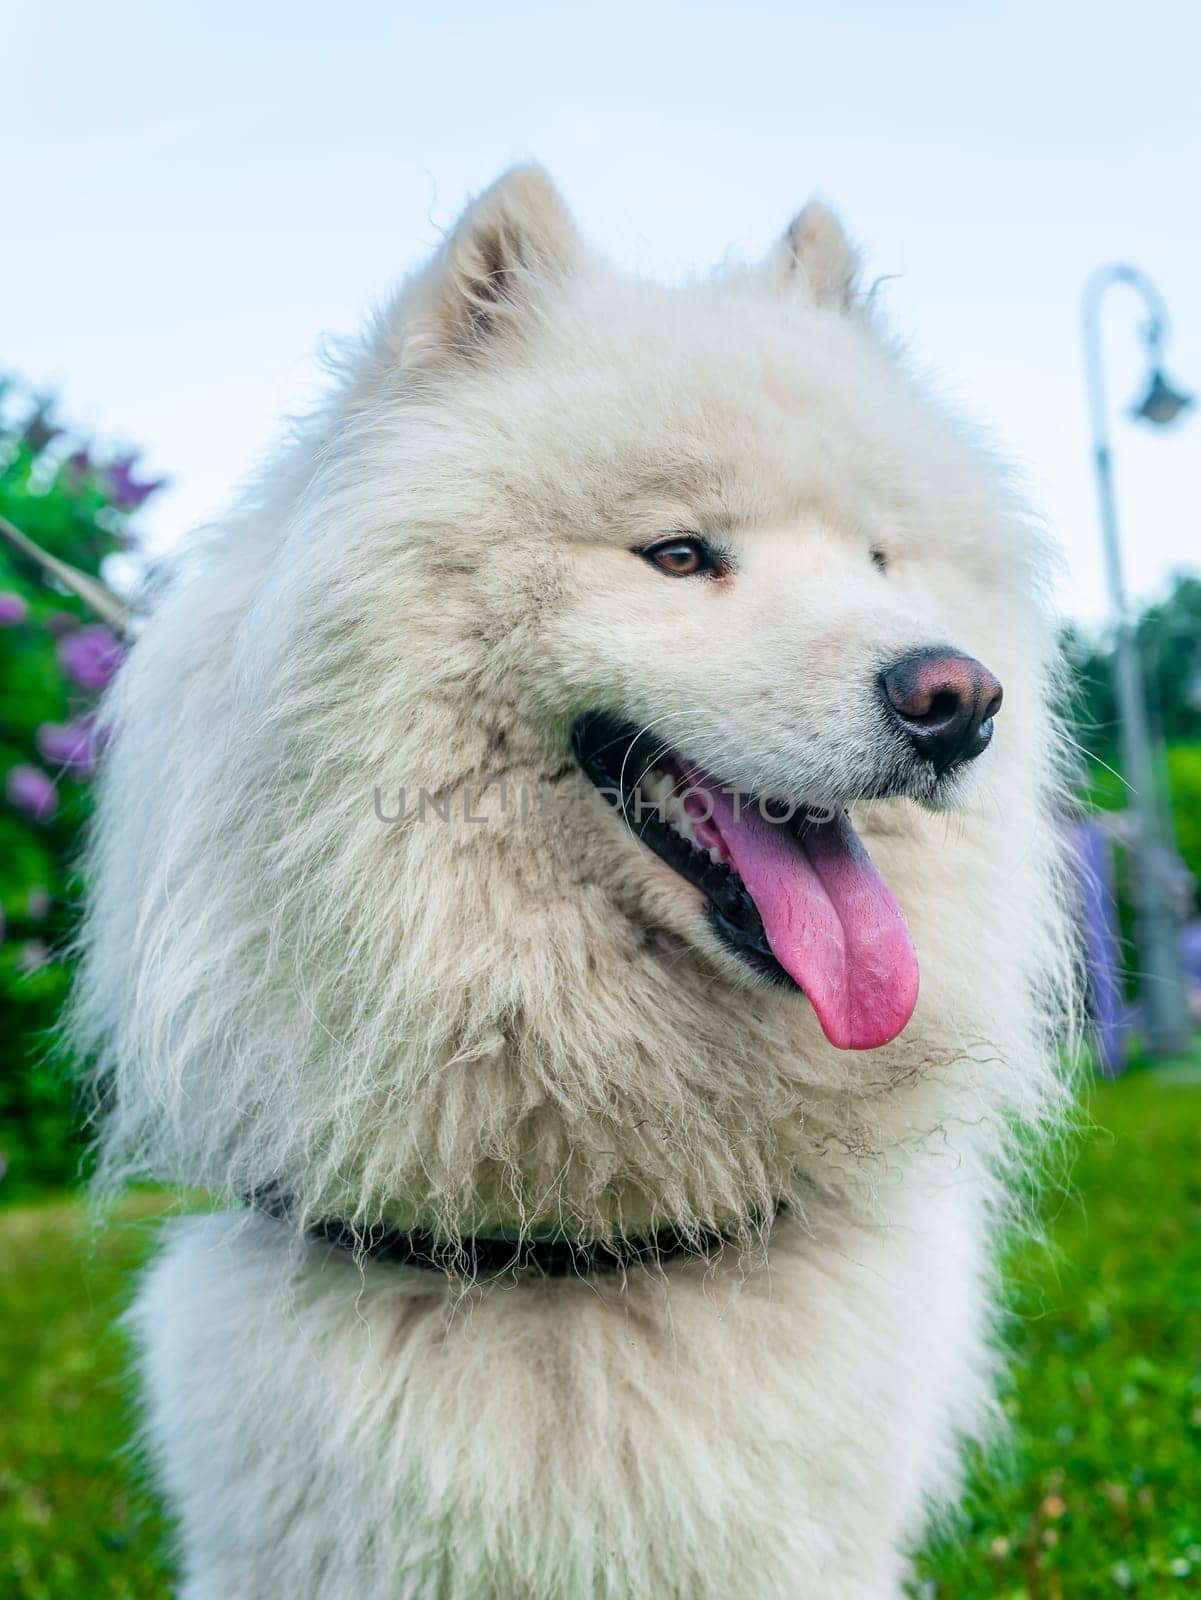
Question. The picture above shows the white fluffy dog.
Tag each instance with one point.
(479, 913)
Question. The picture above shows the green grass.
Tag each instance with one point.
(74, 1519)
(1100, 1494)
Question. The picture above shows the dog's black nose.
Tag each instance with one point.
(945, 702)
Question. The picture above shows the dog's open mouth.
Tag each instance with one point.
(792, 890)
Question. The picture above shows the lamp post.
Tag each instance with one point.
(1167, 1026)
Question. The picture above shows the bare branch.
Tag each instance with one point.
(108, 606)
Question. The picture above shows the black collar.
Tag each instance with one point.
(478, 1256)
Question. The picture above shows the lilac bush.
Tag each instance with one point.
(74, 500)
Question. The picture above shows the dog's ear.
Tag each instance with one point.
(816, 259)
(510, 244)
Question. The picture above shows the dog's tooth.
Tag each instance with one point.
(656, 787)
(716, 856)
(682, 823)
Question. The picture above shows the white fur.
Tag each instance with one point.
(516, 1022)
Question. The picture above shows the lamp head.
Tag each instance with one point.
(1163, 402)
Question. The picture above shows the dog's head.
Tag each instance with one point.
(728, 561)
(624, 601)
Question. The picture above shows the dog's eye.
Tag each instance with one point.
(683, 558)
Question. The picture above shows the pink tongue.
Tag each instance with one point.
(829, 917)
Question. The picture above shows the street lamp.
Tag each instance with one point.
(1168, 1029)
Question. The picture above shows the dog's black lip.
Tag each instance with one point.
(614, 754)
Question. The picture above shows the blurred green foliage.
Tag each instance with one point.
(1184, 785)
(1182, 770)
(1169, 647)
(54, 658)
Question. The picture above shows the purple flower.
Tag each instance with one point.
(60, 622)
(30, 790)
(38, 903)
(77, 465)
(126, 491)
(14, 608)
(35, 954)
(1190, 950)
(90, 657)
(68, 746)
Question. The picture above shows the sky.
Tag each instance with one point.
(196, 196)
